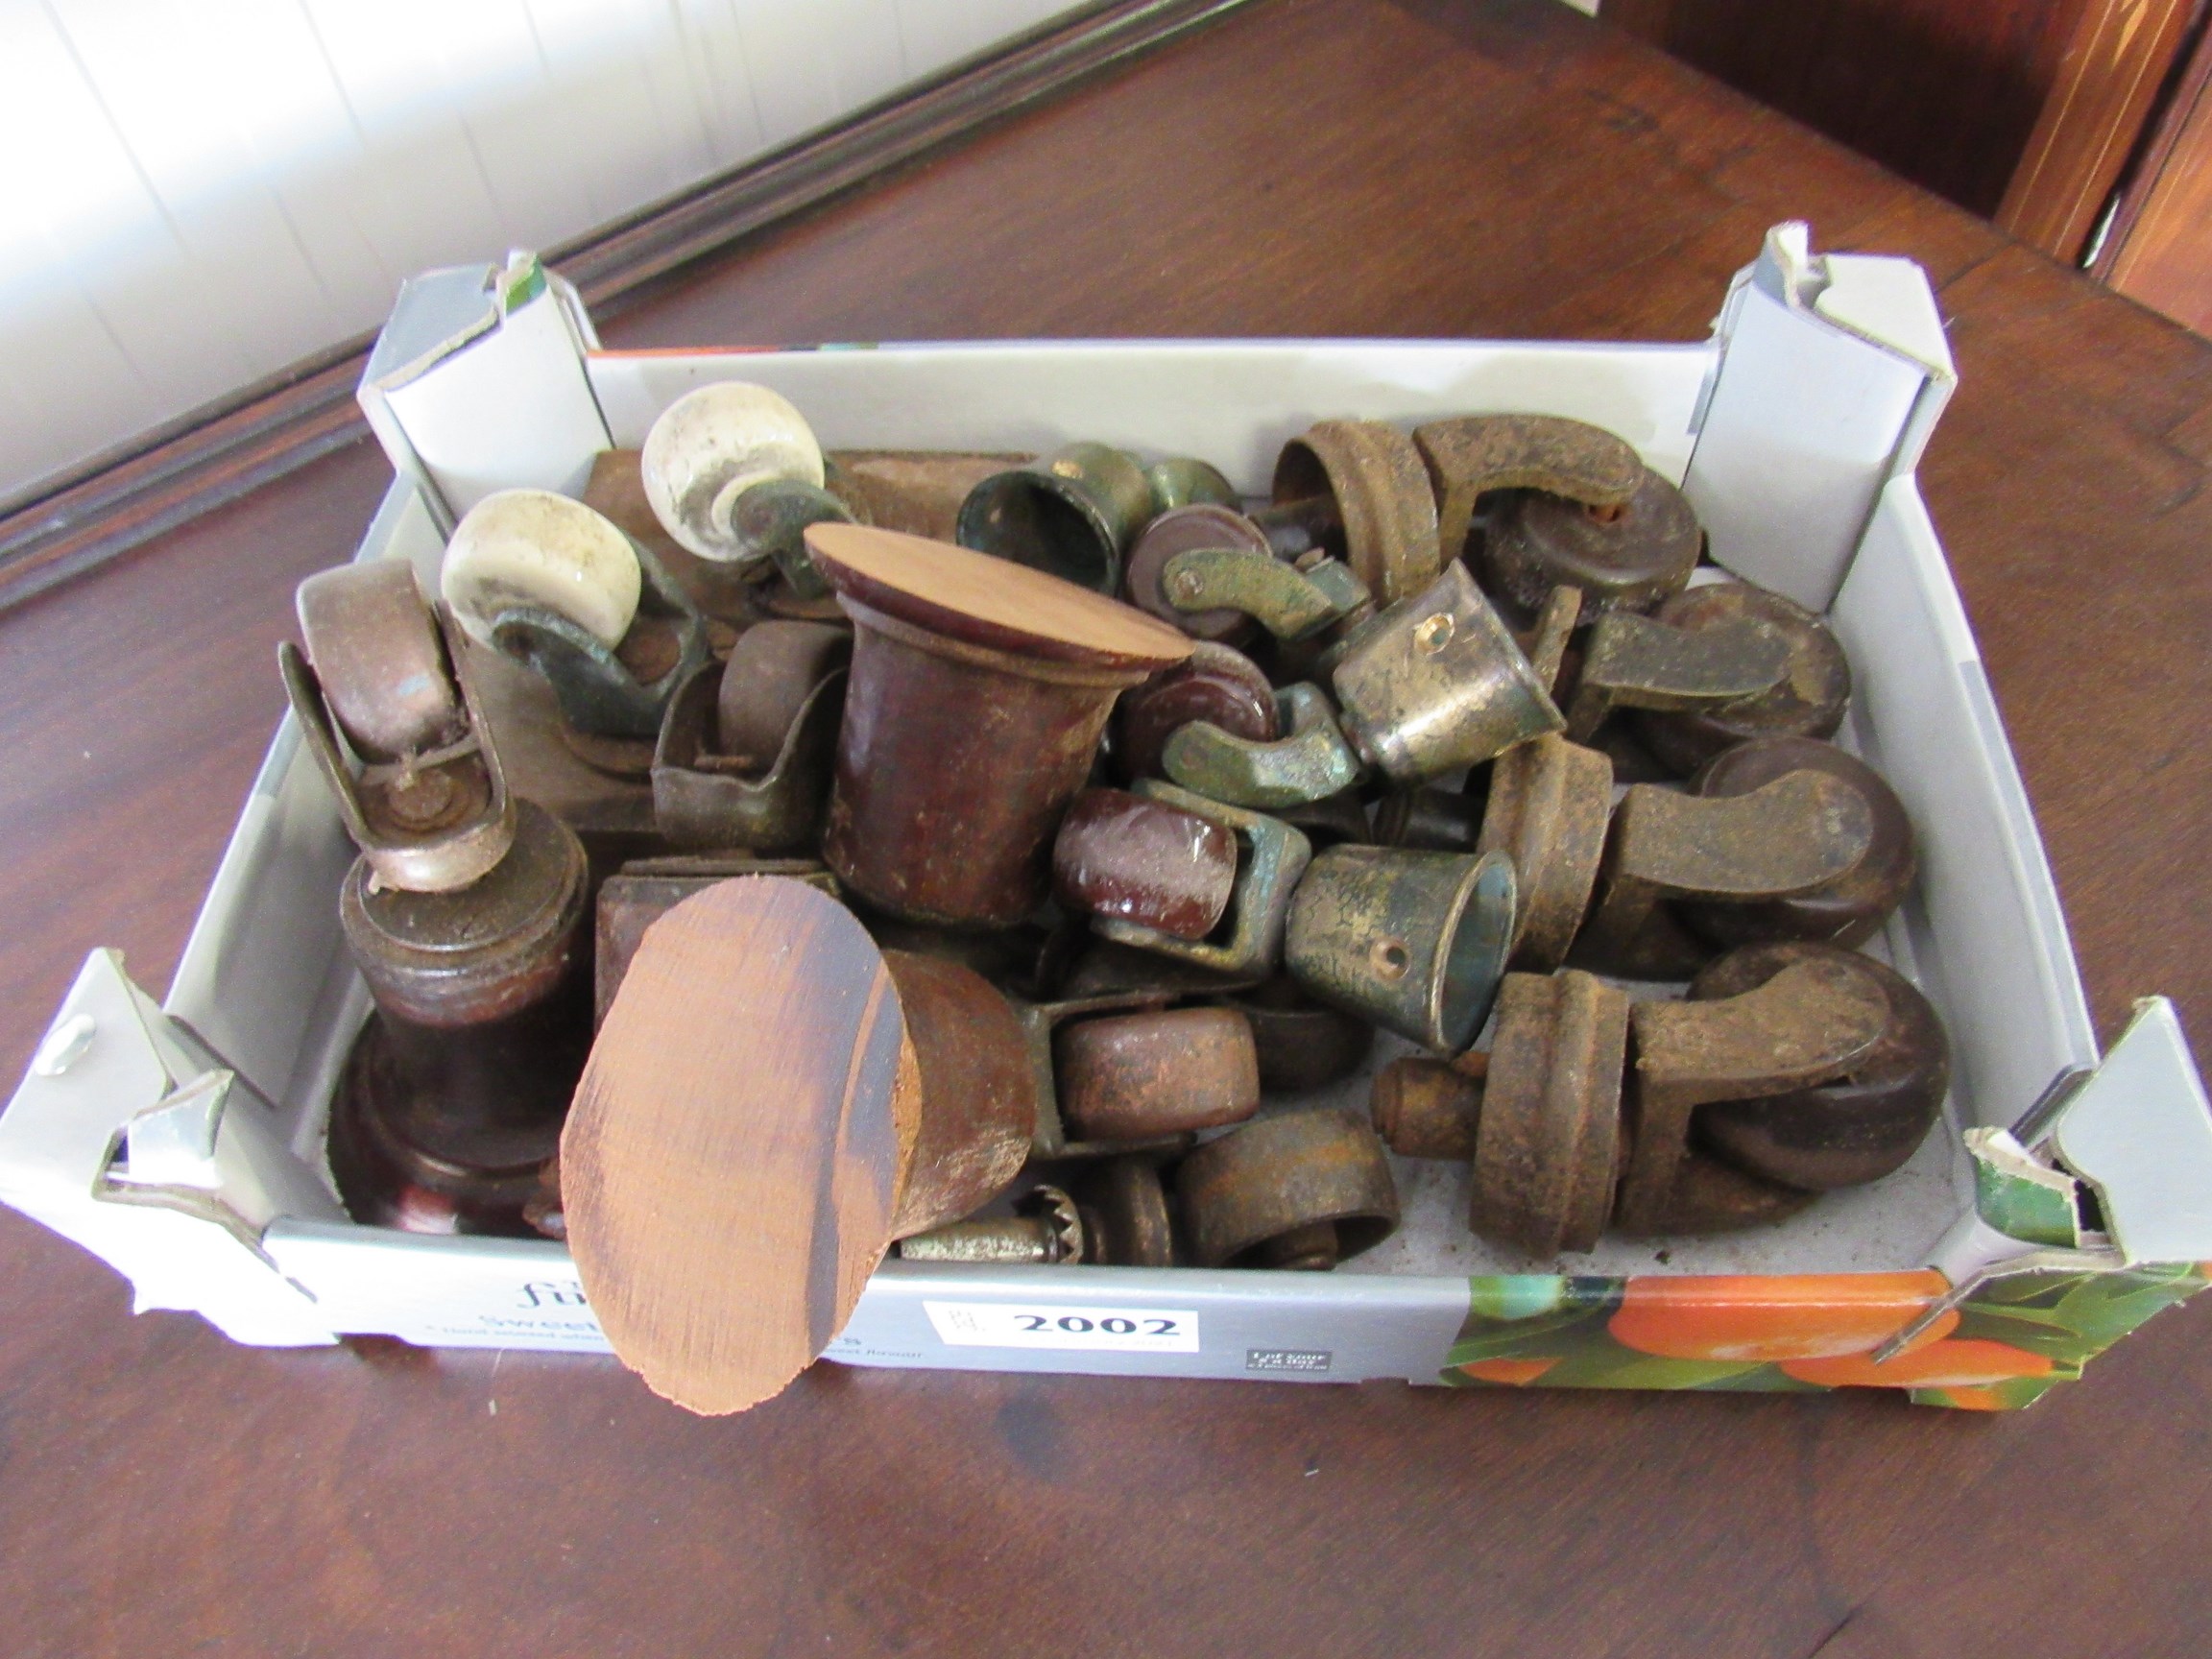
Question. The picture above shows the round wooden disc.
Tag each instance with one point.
(991, 601)
(731, 1166)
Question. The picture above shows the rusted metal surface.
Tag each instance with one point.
(1861, 1126)
(1848, 911)
(1811, 1023)
(1071, 514)
(1809, 702)
(1434, 820)
(1437, 682)
(644, 890)
(915, 490)
(431, 1133)
(771, 672)
(480, 953)
(1623, 558)
(1414, 942)
(1375, 478)
(1429, 1108)
(1290, 601)
(618, 692)
(1550, 642)
(433, 815)
(1473, 455)
(1120, 855)
(1126, 1218)
(1302, 1044)
(1040, 1020)
(1633, 661)
(768, 526)
(1218, 685)
(1310, 763)
(1708, 1196)
(1300, 1190)
(1271, 859)
(1799, 834)
(1548, 1145)
(376, 650)
(1176, 532)
(978, 1091)
(1134, 1077)
(954, 765)
(1549, 803)
(1045, 1227)
(702, 799)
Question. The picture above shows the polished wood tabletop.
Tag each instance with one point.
(1307, 167)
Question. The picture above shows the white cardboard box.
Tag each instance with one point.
(181, 1142)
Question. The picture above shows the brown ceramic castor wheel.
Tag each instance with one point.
(1856, 1129)
(1810, 702)
(1136, 1077)
(1301, 1191)
(1847, 912)
(1181, 530)
(1623, 558)
(1137, 860)
(1217, 684)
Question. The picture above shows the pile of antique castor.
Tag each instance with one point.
(1157, 805)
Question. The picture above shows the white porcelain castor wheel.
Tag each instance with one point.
(532, 548)
(712, 445)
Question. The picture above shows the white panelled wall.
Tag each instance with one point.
(196, 193)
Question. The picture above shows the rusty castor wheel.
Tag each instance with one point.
(1861, 1126)
(1141, 1076)
(1302, 1044)
(1303, 1190)
(1808, 701)
(1358, 490)
(1847, 912)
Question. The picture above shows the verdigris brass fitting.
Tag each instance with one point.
(1271, 859)
(1136, 860)
(1126, 1219)
(1158, 1073)
(1638, 662)
(1848, 911)
(1811, 1023)
(1302, 1044)
(1473, 455)
(1184, 481)
(1548, 805)
(1370, 478)
(385, 702)
(1217, 684)
(1414, 942)
(1310, 763)
(1045, 1228)
(1809, 701)
(454, 1093)
(1623, 558)
(1204, 525)
(1861, 1126)
(1070, 514)
(709, 449)
(977, 695)
(1437, 682)
(1800, 833)
(1299, 1191)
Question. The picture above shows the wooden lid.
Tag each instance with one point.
(731, 1168)
(992, 602)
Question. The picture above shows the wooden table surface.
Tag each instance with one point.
(1312, 167)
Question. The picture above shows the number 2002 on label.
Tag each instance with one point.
(1017, 1325)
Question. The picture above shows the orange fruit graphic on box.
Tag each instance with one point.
(1517, 1372)
(1757, 1319)
(1963, 1362)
